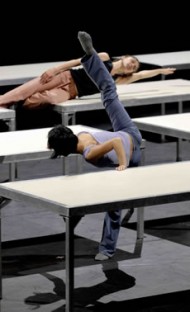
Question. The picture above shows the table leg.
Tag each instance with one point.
(163, 112)
(0, 261)
(140, 231)
(178, 147)
(69, 264)
(65, 117)
(12, 171)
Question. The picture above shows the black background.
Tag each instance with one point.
(39, 31)
(43, 32)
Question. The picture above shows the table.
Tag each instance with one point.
(180, 59)
(25, 145)
(132, 95)
(19, 74)
(97, 192)
(9, 116)
(174, 125)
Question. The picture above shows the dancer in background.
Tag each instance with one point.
(66, 82)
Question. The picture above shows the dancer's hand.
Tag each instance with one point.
(167, 71)
(47, 76)
(121, 167)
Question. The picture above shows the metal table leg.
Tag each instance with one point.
(69, 264)
(140, 231)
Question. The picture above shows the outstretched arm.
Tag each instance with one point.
(48, 74)
(144, 74)
(51, 72)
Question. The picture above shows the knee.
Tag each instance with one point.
(34, 101)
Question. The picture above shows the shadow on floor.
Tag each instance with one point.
(175, 229)
(38, 255)
(115, 281)
(42, 255)
(87, 298)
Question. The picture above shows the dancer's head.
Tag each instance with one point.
(130, 64)
(62, 140)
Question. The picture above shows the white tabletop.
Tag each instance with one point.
(176, 125)
(25, 142)
(18, 74)
(135, 94)
(179, 59)
(100, 191)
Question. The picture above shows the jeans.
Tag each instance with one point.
(120, 121)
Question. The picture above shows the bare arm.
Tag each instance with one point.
(48, 74)
(51, 72)
(99, 150)
(144, 74)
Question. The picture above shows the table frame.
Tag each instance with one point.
(174, 125)
(132, 95)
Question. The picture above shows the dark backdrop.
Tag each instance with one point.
(40, 32)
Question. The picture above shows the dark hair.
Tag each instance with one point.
(117, 58)
(62, 140)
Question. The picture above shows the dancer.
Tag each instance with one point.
(120, 148)
(66, 82)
